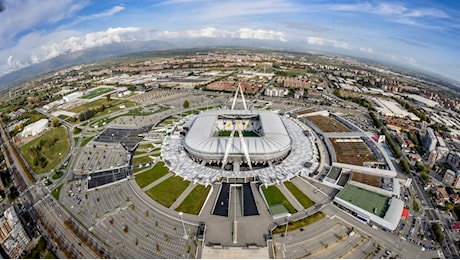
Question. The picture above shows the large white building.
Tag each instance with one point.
(35, 128)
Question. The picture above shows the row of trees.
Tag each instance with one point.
(394, 148)
(85, 115)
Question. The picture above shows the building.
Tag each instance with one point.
(13, 237)
(35, 128)
(72, 97)
(429, 140)
(453, 159)
(451, 179)
(276, 92)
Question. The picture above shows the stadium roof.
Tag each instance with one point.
(275, 138)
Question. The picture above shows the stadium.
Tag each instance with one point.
(234, 145)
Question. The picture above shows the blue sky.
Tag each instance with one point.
(421, 34)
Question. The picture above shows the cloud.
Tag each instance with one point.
(211, 10)
(366, 49)
(305, 26)
(36, 47)
(242, 33)
(246, 33)
(23, 16)
(315, 40)
(110, 12)
(322, 41)
(394, 12)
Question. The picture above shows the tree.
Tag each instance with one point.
(56, 122)
(186, 104)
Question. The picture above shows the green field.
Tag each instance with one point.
(141, 160)
(86, 140)
(33, 116)
(168, 191)
(365, 199)
(300, 223)
(113, 105)
(145, 146)
(195, 200)
(96, 92)
(299, 195)
(274, 196)
(56, 192)
(56, 145)
(226, 133)
(145, 178)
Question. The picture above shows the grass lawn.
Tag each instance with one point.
(142, 160)
(274, 196)
(227, 133)
(168, 191)
(56, 192)
(195, 200)
(145, 146)
(57, 175)
(86, 140)
(96, 92)
(94, 104)
(299, 195)
(53, 154)
(33, 116)
(300, 223)
(139, 152)
(149, 176)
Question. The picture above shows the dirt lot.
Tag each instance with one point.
(366, 179)
(327, 124)
(355, 153)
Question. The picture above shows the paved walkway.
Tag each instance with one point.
(294, 202)
(183, 196)
(151, 185)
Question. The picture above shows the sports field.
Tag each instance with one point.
(372, 202)
(226, 133)
(96, 92)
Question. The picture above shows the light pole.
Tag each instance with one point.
(287, 224)
(183, 225)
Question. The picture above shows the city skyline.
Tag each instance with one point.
(419, 35)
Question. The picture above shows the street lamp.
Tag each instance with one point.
(287, 224)
(183, 225)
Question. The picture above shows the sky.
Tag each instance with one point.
(422, 34)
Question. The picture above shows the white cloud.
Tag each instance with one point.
(321, 41)
(366, 49)
(315, 40)
(211, 32)
(21, 16)
(235, 8)
(36, 47)
(246, 33)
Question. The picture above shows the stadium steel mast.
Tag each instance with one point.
(236, 127)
